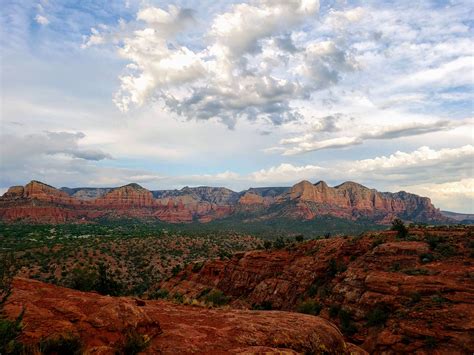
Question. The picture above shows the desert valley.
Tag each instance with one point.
(181, 271)
(266, 177)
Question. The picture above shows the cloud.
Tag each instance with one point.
(453, 195)
(309, 141)
(42, 20)
(18, 149)
(241, 73)
(422, 158)
(413, 129)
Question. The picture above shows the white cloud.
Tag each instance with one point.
(309, 141)
(241, 73)
(42, 20)
(453, 195)
(420, 158)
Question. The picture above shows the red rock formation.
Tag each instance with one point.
(426, 295)
(351, 200)
(127, 196)
(101, 321)
(38, 202)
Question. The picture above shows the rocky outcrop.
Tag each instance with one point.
(388, 295)
(354, 201)
(101, 322)
(303, 201)
(131, 195)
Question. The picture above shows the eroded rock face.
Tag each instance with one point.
(353, 201)
(101, 322)
(423, 297)
(38, 202)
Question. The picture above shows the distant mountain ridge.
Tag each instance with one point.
(42, 203)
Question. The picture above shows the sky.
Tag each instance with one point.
(239, 94)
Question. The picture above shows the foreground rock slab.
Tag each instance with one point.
(101, 322)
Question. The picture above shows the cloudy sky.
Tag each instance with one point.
(240, 94)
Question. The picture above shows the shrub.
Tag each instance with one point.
(299, 238)
(335, 268)
(313, 290)
(334, 311)
(416, 272)
(160, 293)
(426, 257)
(279, 243)
(62, 344)
(264, 306)
(7, 271)
(10, 330)
(431, 342)
(178, 297)
(217, 298)
(377, 316)
(309, 307)
(347, 325)
(106, 285)
(399, 227)
(203, 292)
(267, 244)
(176, 269)
(197, 266)
(133, 343)
(415, 297)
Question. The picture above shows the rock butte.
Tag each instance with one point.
(101, 322)
(425, 301)
(40, 203)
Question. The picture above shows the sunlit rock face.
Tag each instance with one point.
(40, 203)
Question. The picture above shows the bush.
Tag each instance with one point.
(415, 298)
(197, 266)
(63, 344)
(264, 306)
(160, 293)
(426, 257)
(309, 307)
(347, 325)
(7, 271)
(279, 243)
(217, 298)
(178, 297)
(299, 238)
(267, 244)
(377, 316)
(10, 330)
(133, 343)
(335, 268)
(334, 311)
(399, 227)
(431, 342)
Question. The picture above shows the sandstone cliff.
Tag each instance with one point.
(388, 295)
(41, 203)
(102, 321)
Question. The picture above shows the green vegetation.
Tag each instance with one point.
(133, 343)
(10, 330)
(378, 316)
(440, 246)
(399, 227)
(345, 319)
(264, 306)
(216, 298)
(347, 325)
(309, 307)
(126, 258)
(63, 344)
